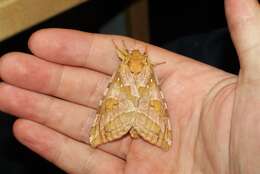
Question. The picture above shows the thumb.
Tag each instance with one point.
(244, 24)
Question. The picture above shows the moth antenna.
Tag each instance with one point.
(135, 48)
(122, 54)
(146, 50)
(124, 45)
(115, 45)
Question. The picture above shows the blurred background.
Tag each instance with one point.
(193, 28)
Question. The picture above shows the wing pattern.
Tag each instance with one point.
(133, 103)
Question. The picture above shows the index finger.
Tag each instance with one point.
(94, 51)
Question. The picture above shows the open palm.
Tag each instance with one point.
(55, 92)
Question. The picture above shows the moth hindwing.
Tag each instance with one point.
(133, 103)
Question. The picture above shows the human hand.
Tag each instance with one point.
(55, 92)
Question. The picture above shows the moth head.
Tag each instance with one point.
(136, 61)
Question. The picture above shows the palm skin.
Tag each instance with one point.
(191, 90)
(216, 125)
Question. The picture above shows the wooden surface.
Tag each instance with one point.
(138, 20)
(18, 15)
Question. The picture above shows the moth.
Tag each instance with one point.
(133, 103)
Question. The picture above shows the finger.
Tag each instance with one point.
(67, 118)
(82, 86)
(243, 19)
(94, 51)
(66, 153)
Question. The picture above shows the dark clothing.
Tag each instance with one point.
(214, 48)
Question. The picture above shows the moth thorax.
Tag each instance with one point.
(136, 61)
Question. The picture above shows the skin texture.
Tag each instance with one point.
(215, 115)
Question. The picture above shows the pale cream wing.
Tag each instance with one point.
(152, 120)
(114, 116)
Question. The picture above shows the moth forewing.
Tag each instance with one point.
(133, 104)
(156, 128)
(112, 119)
